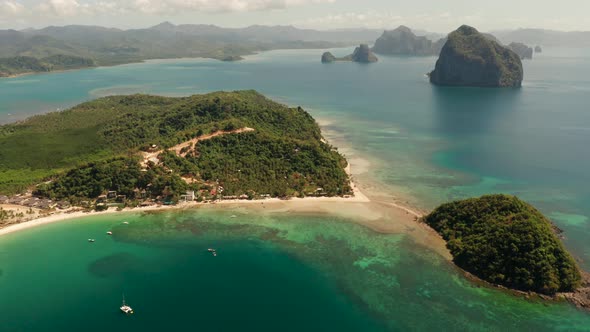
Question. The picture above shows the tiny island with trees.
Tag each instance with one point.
(506, 241)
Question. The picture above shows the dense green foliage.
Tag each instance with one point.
(506, 241)
(271, 165)
(283, 156)
(25, 64)
(122, 175)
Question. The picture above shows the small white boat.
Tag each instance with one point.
(233, 216)
(91, 240)
(125, 222)
(125, 308)
(109, 233)
(211, 250)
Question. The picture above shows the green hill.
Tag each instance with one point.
(26, 64)
(505, 241)
(107, 46)
(97, 146)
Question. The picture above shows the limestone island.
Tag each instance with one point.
(505, 241)
(469, 58)
(522, 50)
(361, 54)
(141, 150)
(538, 49)
(328, 57)
(231, 58)
(402, 41)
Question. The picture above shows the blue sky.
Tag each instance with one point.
(432, 15)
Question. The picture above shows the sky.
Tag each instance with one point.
(432, 15)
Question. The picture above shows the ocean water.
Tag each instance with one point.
(428, 144)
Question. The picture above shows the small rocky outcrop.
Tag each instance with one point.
(361, 54)
(328, 57)
(581, 297)
(469, 58)
(231, 58)
(402, 41)
(523, 51)
(538, 49)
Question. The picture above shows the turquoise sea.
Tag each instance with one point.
(317, 273)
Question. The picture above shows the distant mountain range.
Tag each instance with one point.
(109, 46)
(546, 38)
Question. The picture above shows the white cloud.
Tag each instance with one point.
(10, 8)
(442, 22)
(179, 6)
(61, 8)
(69, 8)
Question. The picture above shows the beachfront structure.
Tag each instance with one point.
(189, 196)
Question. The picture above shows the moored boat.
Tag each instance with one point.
(125, 308)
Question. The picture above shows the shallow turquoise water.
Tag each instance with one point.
(434, 144)
(287, 273)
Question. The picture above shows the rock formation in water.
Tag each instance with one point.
(469, 58)
(538, 49)
(402, 41)
(361, 54)
(523, 51)
(231, 58)
(328, 57)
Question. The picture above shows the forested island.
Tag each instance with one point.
(506, 241)
(140, 147)
(24, 64)
(471, 58)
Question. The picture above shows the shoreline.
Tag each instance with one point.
(381, 217)
(382, 210)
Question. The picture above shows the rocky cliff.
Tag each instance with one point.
(523, 51)
(328, 57)
(469, 58)
(363, 54)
